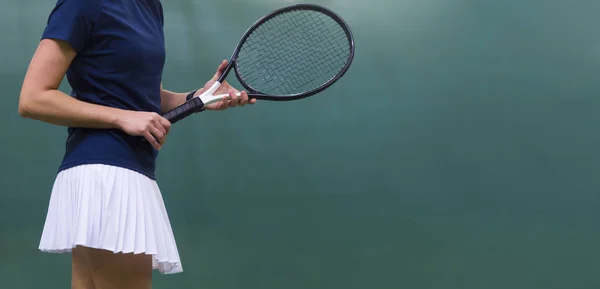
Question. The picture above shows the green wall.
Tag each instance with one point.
(459, 152)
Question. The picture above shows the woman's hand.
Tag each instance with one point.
(225, 88)
(150, 125)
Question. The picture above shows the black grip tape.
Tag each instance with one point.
(191, 106)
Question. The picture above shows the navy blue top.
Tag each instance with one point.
(120, 57)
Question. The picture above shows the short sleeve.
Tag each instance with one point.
(72, 21)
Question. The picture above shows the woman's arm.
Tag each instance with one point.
(170, 100)
(40, 99)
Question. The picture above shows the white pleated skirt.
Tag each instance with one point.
(111, 208)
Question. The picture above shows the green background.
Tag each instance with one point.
(460, 151)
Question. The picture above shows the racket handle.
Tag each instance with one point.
(191, 106)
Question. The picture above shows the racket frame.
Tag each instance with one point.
(252, 92)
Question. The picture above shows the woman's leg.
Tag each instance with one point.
(81, 275)
(116, 271)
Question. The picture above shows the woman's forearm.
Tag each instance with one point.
(171, 100)
(56, 107)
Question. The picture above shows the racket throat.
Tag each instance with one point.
(208, 96)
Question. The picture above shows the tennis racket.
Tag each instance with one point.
(292, 53)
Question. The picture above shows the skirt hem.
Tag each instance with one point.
(175, 265)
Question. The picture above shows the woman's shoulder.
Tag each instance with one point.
(73, 21)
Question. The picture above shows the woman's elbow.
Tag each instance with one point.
(27, 103)
(24, 109)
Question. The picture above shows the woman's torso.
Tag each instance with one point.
(119, 64)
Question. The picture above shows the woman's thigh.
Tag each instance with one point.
(102, 269)
(81, 274)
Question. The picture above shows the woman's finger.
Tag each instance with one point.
(233, 99)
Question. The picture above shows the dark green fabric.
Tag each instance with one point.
(459, 152)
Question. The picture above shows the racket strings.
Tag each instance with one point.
(320, 46)
(329, 54)
(293, 52)
(302, 73)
